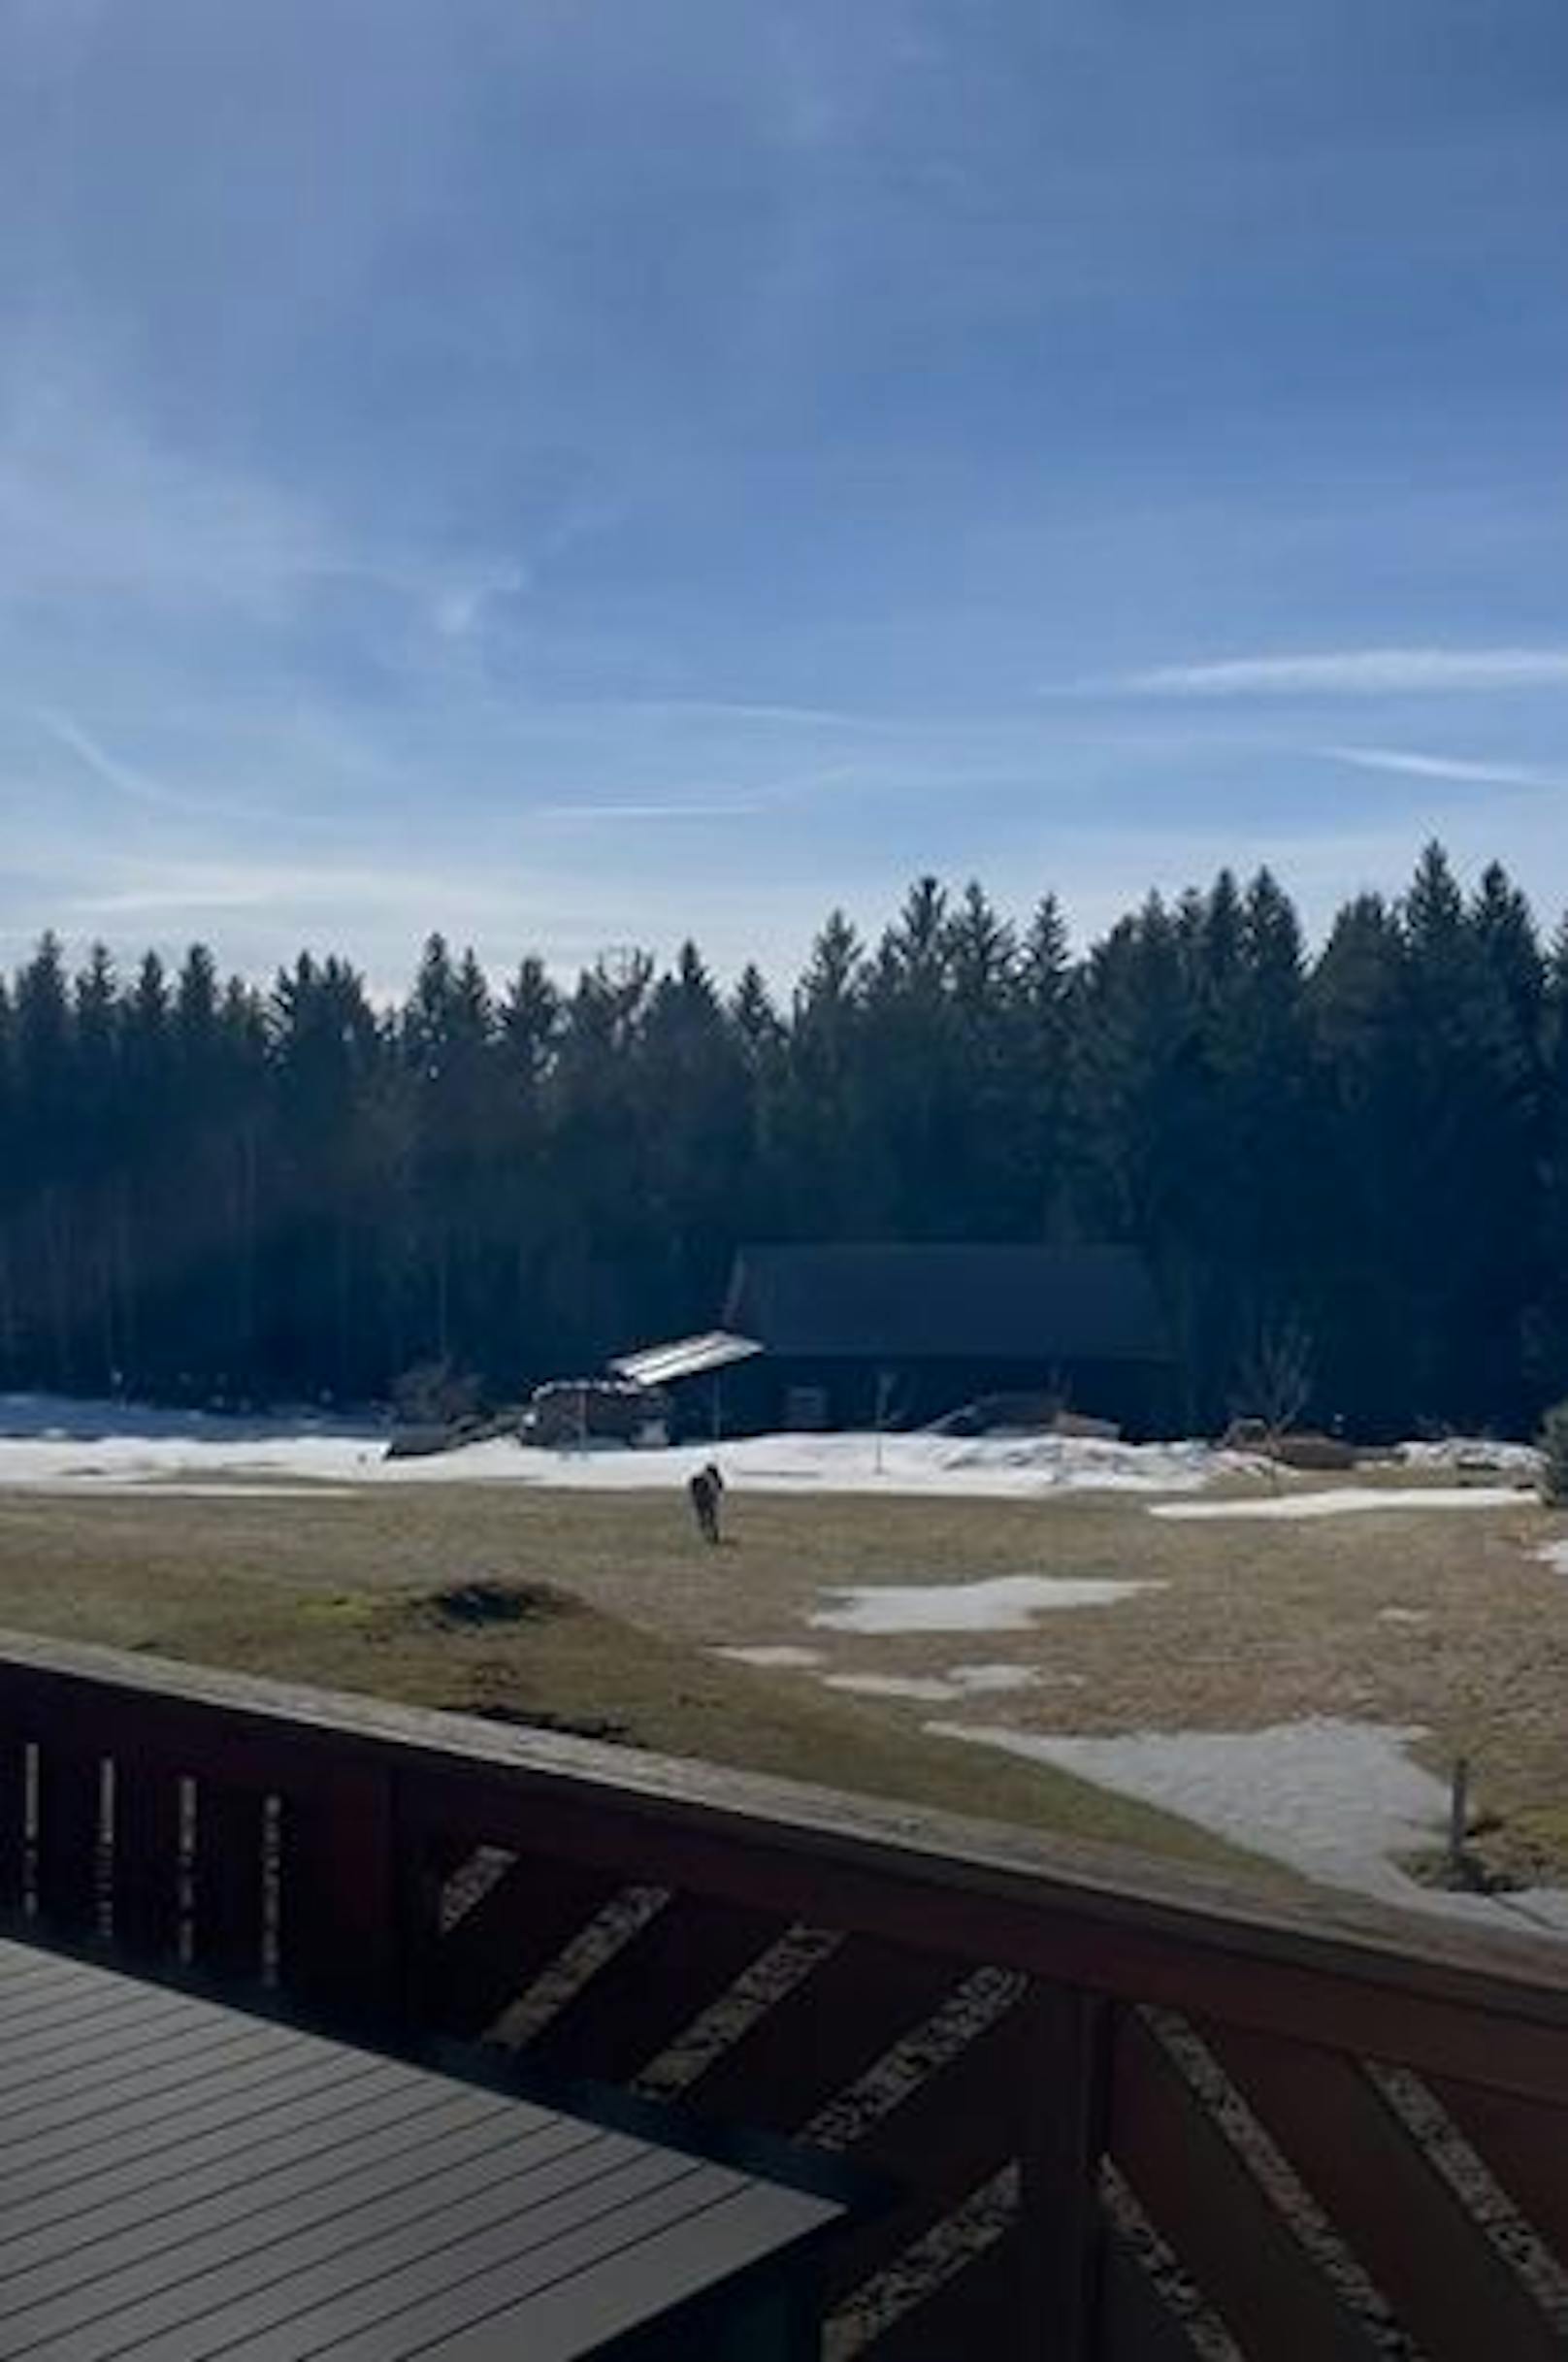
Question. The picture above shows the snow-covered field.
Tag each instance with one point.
(48, 1444)
(1339, 1801)
(996, 1603)
(1341, 1500)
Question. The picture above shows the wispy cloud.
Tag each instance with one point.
(761, 798)
(646, 811)
(123, 777)
(1348, 672)
(1467, 773)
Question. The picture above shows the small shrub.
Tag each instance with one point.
(1555, 1456)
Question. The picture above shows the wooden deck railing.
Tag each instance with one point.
(1125, 2114)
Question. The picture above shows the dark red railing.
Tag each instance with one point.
(1122, 2113)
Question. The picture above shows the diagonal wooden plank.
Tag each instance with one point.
(1136, 2324)
(1425, 2251)
(1525, 2147)
(687, 1955)
(976, 2313)
(1202, 2199)
(467, 1974)
(822, 2035)
(956, 2129)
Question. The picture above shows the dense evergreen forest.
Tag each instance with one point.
(211, 1190)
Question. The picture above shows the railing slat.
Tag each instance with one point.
(229, 1874)
(656, 1984)
(1387, 2199)
(467, 1976)
(1526, 2148)
(343, 1915)
(1136, 2324)
(822, 2034)
(975, 2313)
(955, 2131)
(13, 1821)
(146, 1898)
(1205, 2203)
(70, 1811)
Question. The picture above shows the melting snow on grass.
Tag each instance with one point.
(785, 1657)
(937, 1689)
(1338, 1801)
(1472, 1452)
(996, 1603)
(1338, 1500)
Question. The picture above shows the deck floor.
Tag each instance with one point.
(179, 2179)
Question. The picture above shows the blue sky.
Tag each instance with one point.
(575, 471)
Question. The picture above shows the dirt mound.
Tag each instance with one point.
(461, 1606)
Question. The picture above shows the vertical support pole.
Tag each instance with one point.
(1458, 1819)
(1067, 2125)
(341, 1950)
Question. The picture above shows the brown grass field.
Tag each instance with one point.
(1256, 1624)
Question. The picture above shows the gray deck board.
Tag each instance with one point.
(180, 2181)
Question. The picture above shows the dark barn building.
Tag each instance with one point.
(919, 1331)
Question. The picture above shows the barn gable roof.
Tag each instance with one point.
(898, 1303)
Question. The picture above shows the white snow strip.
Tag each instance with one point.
(1404, 1615)
(1335, 1800)
(1472, 1452)
(1340, 1500)
(993, 1680)
(996, 1603)
(931, 1690)
(1555, 1555)
(46, 1439)
(159, 1488)
(784, 1657)
(937, 1689)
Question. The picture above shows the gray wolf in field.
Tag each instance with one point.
(707, 1487)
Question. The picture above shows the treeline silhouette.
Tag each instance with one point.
(214, 1192)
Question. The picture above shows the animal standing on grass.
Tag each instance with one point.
(706, 1489)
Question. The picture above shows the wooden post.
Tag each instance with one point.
(1069, 2106)
(1458, 1819)
(344, 1949)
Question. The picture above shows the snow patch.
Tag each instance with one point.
(161, 1488)
(1340, 1500)
(1555, 1555)
(1472, 1452)
(993, 1680)
(930, 1690)
(1335, 1800)
(1404, 1615)
(996, 1603)
(784, 1658)
(937, 1689)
